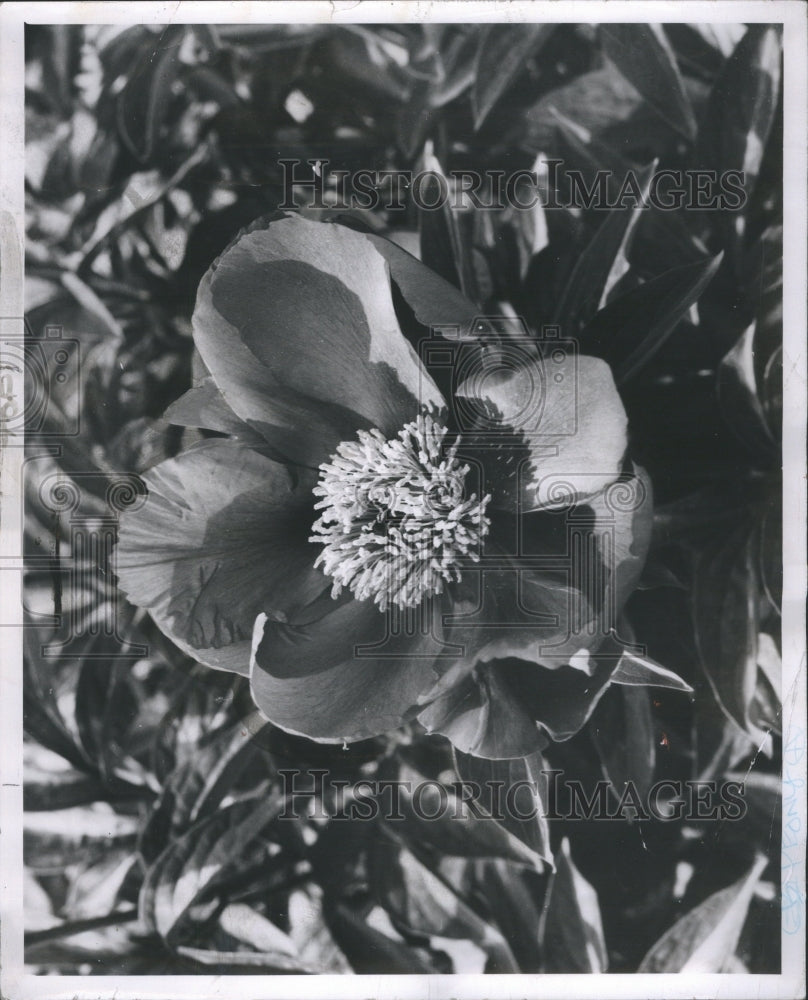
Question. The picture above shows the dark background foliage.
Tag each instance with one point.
(153, 839)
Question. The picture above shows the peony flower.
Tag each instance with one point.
(374, 532)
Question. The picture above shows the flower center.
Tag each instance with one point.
(395, 524)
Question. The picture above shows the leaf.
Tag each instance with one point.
(634, 668)
(739, 397)
(248, 925)
(445, 238)
(199, 862)
(632, 328)
(742, 105)
(601, 264)
(502, 52)
(527, 774)
(572, 930)
(725, 614)
(643, 55)
(142, 104)
(704, 940)
(96, 888)
(309, 931)
(233, 962)
(593, 101)
(106, 707)
(622, 729)
(457, 829)
(197, 787)
(421, 903)
(369, 950)
(514, 899)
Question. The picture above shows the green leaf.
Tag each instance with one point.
(632, 328)
(197, 787)
(458, 828)
(601, 264)
(502, 52)
(725, 603)
(445, 236)
(143, 102)
(419, 902)
(369, 950)
(572, 930)
(233, 962)
(199, 862)
(643, 55)
(594, 101)
(533, 832)
(636, 669)
(739, 396)
(622, 729)
(705, 939)
(106, 707)
(742, 105)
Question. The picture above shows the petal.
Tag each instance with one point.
(203, 406)
(558, 588)
(560, 700)
(561, 418)
(348, 675)
(295, 322)
(221, 538)
(504, 708)
(481, 717)
(434, 301)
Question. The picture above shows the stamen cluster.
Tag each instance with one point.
(395, 524)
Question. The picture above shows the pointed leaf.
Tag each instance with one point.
(572, 927)
(705, 939)
(233, 962)
(523, 778)
(635, 669)
(197, 787)
(742, 105)
(601, 264)
(632, 328)
(725, 609)
(143, 103)
(458, 829)
(739, 397)
(622, 729)
(502, 52)
(419, 902)
(643, 55)
(199, 862)
(445, 243)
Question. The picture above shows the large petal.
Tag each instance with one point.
(221, 538)
(481, 717)
(548, 430)
(434, 301)
(350, 674)
(557, 586)
(295, 322)
(203, 406)
(503, 709)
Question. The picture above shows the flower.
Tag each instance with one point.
(374, 534)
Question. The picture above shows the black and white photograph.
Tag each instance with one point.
(402, 439)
